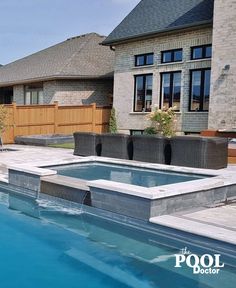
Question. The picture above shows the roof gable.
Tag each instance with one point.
(156, 16)
(77, 57)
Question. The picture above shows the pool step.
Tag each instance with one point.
(101, 266)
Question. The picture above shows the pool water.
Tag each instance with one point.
(61, 250)
(124, 174)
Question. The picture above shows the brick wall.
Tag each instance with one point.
(222, 113)
(78, 92)
(71, 92)
(125, 71)
(18, 94)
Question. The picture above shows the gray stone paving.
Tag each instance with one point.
(217, 223)
(33, 156)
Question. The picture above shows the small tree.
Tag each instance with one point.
(3, 120)
(112, 122)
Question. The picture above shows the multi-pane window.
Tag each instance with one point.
(171, 90)
(200, 89)
(172, 56)
(34, 94)
(144, 59)
(143, 93)
(201, 52)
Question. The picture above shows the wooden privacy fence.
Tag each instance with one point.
(54, 119)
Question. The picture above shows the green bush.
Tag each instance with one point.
(112, 122)
(150, 131)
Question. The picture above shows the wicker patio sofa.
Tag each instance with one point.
(153, 149)
(87, 144)
(199, 152)
(116, 146)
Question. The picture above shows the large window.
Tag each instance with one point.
(144, 59)
(201, 52)
(172, 56)
(34, 94)
(200, 90)
(171, 90)
(143, 93)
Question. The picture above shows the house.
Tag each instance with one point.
(165, 52)
(77, 71)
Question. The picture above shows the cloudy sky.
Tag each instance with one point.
(27, 26)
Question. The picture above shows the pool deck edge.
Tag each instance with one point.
(196, 227)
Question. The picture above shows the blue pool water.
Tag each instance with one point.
(61, 250)
(124, 174)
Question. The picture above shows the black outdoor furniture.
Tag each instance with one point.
(116, 146)
(150, 148)
(87, 144)
(199, 152)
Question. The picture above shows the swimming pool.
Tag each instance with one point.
(84, 250)
(124, 174)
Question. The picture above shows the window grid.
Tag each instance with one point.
(146, 59)
(144, 100)
(204, 51)
(202, 90)
(173, 56)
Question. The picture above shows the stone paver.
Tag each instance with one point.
(216, 223)
(33, 156)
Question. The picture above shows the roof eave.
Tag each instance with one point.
(109, 76)
(197, 25)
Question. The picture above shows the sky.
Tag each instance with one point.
(27, 26)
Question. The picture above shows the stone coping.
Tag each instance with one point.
(66, 181)
(194, 227)
(160, 191)
(32, 170)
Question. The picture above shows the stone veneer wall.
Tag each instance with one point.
(125, 71)
(222, 113)
(78, 92)
(71, 92)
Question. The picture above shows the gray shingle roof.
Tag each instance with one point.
(78, 57)
(156, 16)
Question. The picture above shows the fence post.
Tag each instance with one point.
(55, 116)
(93, 117)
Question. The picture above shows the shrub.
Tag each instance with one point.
(3, 120)
(112, 122)
(150, 131)
(163, 120)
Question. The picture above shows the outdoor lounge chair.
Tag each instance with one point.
(199, 152)
(116, 146)
(87, 144)
(149, 148)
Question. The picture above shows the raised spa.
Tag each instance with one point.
(124, 174)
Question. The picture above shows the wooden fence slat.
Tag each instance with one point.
(53, 119)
